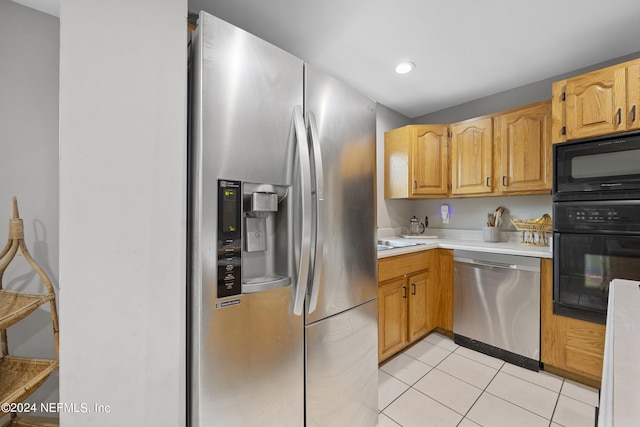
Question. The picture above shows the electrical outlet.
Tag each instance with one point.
(444, 213)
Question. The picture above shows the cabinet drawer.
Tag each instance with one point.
(398, 266)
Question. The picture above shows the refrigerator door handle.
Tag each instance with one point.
(298, 132)
(319, 212)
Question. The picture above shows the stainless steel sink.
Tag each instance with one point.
(383, 245)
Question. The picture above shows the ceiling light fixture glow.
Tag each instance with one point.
(405, 67)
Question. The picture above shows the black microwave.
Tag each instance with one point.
(602, 168)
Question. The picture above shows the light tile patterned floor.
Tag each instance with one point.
(437, 383)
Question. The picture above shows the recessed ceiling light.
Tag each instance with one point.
(405, 67)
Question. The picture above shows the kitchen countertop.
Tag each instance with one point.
(470, 240)
(619, 395)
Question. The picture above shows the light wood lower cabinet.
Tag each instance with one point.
(415, 297)
(570, 347)
(392, 317)
(412, 300)
(440, 296)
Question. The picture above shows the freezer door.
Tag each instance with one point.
(342, 126)
(251, 365)
(342, 369)
(247, 350)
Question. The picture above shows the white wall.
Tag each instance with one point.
(29, 46)
(122, 210)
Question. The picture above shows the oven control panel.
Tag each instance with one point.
(600, 216)
(593, 215)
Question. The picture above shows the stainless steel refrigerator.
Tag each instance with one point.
(283, 328)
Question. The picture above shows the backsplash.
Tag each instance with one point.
(441, 233)
(464, 214)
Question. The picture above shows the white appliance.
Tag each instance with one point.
(283, 292)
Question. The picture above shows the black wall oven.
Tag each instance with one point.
(596, 222)
(593, 243)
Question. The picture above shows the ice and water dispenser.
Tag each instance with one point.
(253, 237)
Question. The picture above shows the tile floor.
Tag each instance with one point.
(435, 382)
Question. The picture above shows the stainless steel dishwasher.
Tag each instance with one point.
(497, 306)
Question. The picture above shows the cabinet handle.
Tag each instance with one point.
(404, 292)
(415, 184)
(504, 181)
(488, 182)
(413, 285)
(619, 113)
(633, 113)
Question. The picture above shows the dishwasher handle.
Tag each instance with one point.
(494, 264)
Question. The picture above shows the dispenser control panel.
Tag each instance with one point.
(229, 238)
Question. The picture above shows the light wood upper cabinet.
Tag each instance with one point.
(522, 140)
(633, 95)
(416, 162)
(504, 153)
(597, 103)
(472, 156)
(430, 164)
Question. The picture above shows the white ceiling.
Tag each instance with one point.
(463, 49)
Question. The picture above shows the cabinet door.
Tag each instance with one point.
(392, 317)
(595, 103)
(523, 144)
(418, 321)
(397, 148)
(633, 95)
(429, 162)
(471, 156)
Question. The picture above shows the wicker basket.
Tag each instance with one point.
(534, 232)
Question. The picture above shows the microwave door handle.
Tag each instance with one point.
(298, 142)
(319, 212)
